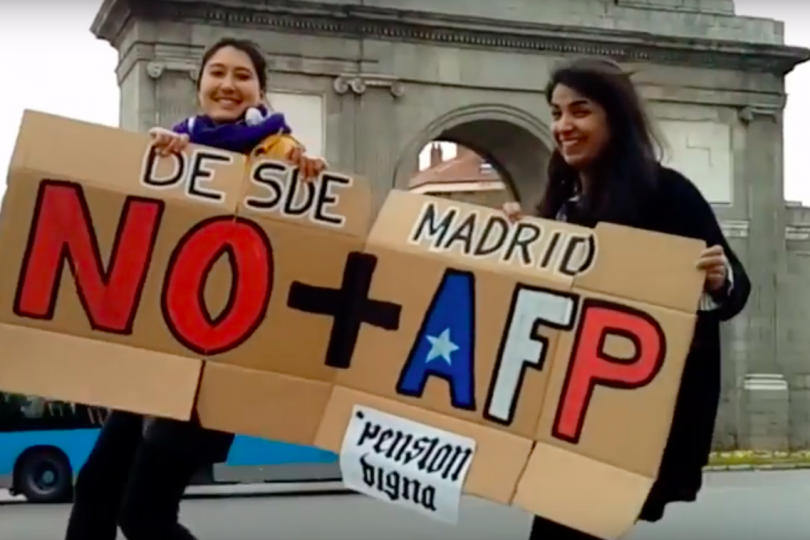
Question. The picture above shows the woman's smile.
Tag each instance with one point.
(228, 102)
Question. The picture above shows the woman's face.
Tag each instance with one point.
(579, 126)
(229, 85)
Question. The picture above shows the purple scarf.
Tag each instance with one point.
(239, 136)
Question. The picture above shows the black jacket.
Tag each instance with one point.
(684, 212)
(188, 439)
(678, 208)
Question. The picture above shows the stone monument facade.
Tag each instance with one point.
(370, 82)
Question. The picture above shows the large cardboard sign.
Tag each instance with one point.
(126, 270)
(442, 350)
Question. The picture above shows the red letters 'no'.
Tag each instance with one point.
(62, 233)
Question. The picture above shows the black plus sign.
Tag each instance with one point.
(349, 306)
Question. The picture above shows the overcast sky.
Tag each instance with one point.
(51, 62)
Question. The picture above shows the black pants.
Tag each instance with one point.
(544, 529)
(137, 481)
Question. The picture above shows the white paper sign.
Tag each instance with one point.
(406, 463)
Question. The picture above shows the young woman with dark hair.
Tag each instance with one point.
(139, 469)
(606, 168)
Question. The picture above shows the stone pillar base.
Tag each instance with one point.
(766, 417)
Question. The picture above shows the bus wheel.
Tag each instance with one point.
(44, 475)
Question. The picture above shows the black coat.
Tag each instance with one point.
(678, 208)
(682, 210)
(188, 439)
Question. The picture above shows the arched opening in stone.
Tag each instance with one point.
(483, 162)
(457, 172)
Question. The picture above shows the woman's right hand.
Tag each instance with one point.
(167, 142)
(309, 167)
(512, 210)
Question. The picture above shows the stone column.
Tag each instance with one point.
(765, 389)
(175, 90)
(734, 343)
(375, 141)
(155, 92)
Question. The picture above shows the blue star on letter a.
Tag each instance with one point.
(445, 344)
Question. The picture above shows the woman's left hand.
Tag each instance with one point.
(713, 261)
(309, 168)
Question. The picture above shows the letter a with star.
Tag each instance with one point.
(445, 344)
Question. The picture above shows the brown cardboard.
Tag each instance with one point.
(484, 480)
(414, 290)
(64, 166)
(277, 384)
(99, 373)
(613, 461)
(379, 355)
(443, 350)
(624, 432)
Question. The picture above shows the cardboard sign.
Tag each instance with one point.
(446, 351)
(558, 349)
(125, 270)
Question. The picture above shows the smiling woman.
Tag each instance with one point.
(232, 78)
(605, 168)
(580, 126)
(139, 469)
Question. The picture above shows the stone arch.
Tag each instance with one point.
(514, 141)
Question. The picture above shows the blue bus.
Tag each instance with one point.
(44, 443)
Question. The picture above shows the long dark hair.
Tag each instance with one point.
(248, 47)
(627, 171)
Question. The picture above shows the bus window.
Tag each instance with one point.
(31, 413)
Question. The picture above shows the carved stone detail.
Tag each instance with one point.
(797, 231)
(735, 228)
(749, 114)
(359, 83)
(387, 23)
(156, 68)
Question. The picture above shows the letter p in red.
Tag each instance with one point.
(591, 366)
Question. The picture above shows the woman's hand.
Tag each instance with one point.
(713, 261)
(168, 142)
(309, 168)
(513, 211)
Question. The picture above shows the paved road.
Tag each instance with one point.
(743, 506)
